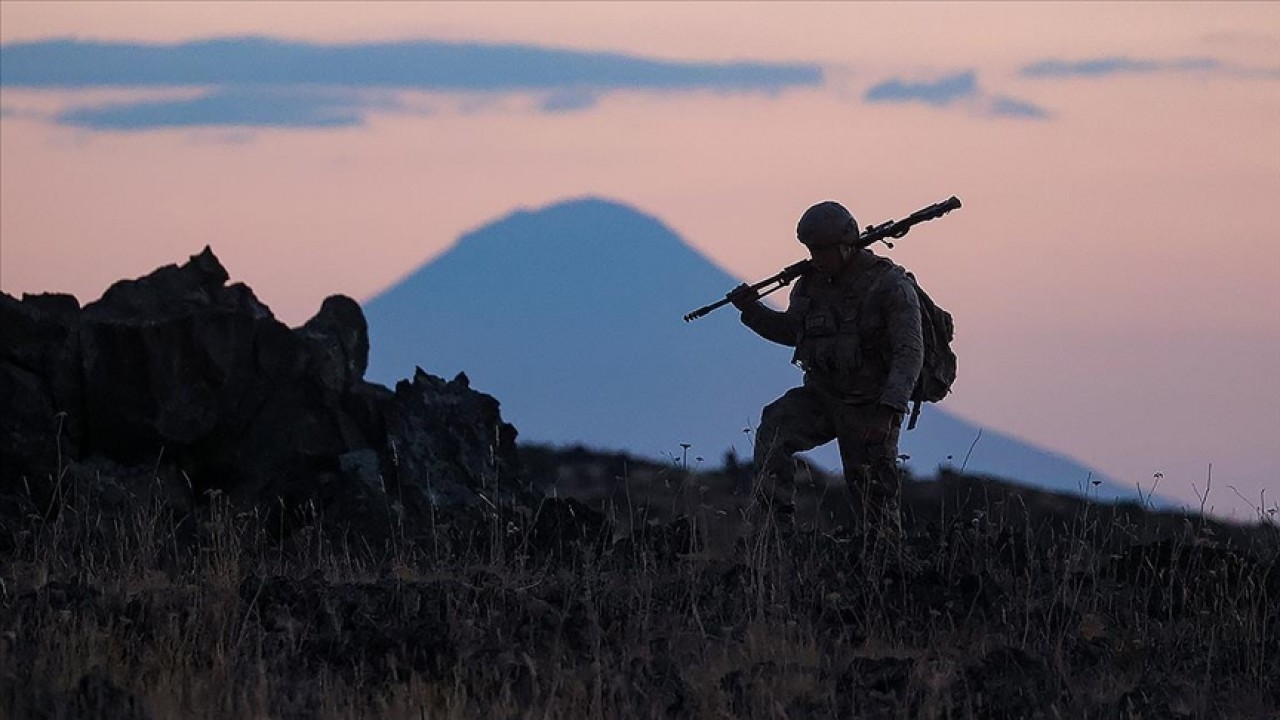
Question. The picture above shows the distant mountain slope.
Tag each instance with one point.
(571, 316)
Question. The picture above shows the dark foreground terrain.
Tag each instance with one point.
(650, 597)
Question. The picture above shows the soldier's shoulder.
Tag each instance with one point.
(896, 285)
(892, 274)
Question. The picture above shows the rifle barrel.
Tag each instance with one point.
(784, 278)
(706, 309)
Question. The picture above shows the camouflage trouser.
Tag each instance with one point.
(806, 417)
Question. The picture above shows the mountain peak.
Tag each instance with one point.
(581, 208)
(590, 224)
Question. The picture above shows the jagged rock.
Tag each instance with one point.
(362, 468)
(176, 357)
(39, 382)
(179, 375)
(37, 329)
(356, 498)
(450, 445)
(337, 340)
(365, 404)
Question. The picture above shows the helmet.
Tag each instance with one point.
(827, 223)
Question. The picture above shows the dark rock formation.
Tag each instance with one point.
(39, 378)
(181, 380)
(449, 443)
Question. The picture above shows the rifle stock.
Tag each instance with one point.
(873, 234)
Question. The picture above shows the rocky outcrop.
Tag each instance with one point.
(188, 382)
(442, 433)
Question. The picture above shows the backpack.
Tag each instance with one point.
(939, 370)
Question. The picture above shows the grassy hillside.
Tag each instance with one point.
(642, 589)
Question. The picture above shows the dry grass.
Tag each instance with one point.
(664, 605)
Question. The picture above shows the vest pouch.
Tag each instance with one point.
(848, 342)
(848, 355)
(815, 352)
(820, 323)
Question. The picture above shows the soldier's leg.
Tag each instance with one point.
(869, 454)
(796, 422)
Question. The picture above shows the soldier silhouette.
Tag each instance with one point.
(854, 321)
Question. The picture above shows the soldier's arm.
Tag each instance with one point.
(906, 343)
(780, 327)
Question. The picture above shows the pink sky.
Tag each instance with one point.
(1115, 271)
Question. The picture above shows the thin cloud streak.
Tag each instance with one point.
(1004, 106)
(568, 101)
(285, 108)
(1118, 66)
(941, 92)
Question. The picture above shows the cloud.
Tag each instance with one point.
(568, 101)
(256, 107)
(1113, 66)
(1004, 106)
(943, 91)
(1261, 73)
(257, 81)
(952, 89)
(1102, 67)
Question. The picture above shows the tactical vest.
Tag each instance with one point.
(842, 342)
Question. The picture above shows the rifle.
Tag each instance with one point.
(873, 234)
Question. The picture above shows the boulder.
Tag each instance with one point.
(177, 357)
(39, 380)
(187, 376)
(337, 342)
(449, 445)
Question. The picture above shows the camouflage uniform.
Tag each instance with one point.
(858, 339)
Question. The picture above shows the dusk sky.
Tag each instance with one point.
(1114, 272)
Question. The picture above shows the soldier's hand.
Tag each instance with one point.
(743, 296)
